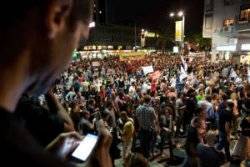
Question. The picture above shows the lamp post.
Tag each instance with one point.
(180, 14)
(143, 38)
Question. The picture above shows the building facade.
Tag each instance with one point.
(227, 23)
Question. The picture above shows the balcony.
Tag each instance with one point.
(243, 26)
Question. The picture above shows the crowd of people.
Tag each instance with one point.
(133, 112)
(205, 103)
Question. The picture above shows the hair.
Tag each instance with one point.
(123, 114)
(214, 96)
(211, 137)
(81, 10)
(179, 94)
(234, 96)
(91, 101)
(208, 98)
(138, 160)
(224, 97)
(24, 19)
(147, 99)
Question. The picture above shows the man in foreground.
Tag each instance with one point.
(36, 41)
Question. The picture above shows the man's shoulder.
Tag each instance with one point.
(139, 108)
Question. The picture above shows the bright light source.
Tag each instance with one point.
(176, 49)
(171, 14)
(180, 13)
(245, 47)
(92, 24)
(142, 30)
(226, 48)
(100, 12)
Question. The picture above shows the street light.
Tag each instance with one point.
(180, 14)
(172, 14)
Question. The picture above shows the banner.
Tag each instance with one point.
(95, 64)
(147, 69)
(175, 49)
(225, 72)
(179, 33)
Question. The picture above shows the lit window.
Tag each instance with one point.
(245, 14)
(228, 22)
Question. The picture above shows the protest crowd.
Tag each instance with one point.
(135, 107)
(148, 103)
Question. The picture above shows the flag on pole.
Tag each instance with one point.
(184, 63)
(183, 74)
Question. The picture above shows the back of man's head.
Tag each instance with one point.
(209, 98)
(211, 138)
(20, 20)
(38, 37)
(147, 99)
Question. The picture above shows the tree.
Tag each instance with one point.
(204, 44)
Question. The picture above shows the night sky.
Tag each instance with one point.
(154, 14)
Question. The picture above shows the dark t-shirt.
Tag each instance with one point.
(18, 147)
(245, 125)
(190, 107)
(192, 141)
(224, 117)
(43, 124)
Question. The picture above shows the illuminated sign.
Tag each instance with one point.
(151, 34)
(245, 47)
(176, 49)
(179, 33)
(226, 48)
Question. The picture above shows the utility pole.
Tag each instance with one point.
(135, 36)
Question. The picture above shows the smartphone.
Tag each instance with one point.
(85, 148)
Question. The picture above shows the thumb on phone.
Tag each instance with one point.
(101, 156)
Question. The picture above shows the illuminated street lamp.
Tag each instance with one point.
(172, 14)
(182, 15)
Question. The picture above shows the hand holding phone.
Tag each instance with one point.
(85, 148)
(64, 144)
(102, 142)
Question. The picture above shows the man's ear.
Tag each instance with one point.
(57, 13)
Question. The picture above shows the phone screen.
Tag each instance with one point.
(85, 148)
